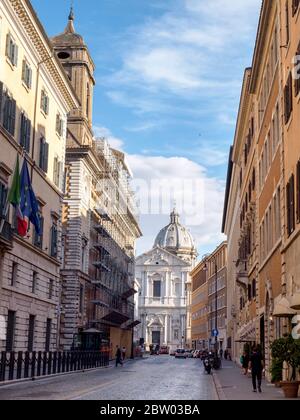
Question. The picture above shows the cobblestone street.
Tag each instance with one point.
(154, 378)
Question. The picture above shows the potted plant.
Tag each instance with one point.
(287, 350)
(276, 371)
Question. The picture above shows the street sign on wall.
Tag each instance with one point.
(215, 333)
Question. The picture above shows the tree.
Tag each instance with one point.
(287, 350)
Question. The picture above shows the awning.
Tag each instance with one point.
(130, 292)
(116, 317)
(283, 309)
(295, 302)
(133, 324)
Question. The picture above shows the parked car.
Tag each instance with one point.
(189, 353)
(180, 354)
(172, 352)
(164, 350)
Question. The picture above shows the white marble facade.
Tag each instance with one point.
(164, 286)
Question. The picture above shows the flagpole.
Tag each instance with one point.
(7, 202)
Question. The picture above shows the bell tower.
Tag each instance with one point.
(74, 55)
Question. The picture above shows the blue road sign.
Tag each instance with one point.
(215, 333)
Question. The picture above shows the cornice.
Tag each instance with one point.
(37, 35)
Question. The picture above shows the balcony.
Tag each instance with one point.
(6, 236)
(242, 274)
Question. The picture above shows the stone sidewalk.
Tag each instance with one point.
(232, 385)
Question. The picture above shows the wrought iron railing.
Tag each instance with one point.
(26, 365)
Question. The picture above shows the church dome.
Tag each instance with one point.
(175, 237)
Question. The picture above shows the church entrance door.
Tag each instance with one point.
(156, 338)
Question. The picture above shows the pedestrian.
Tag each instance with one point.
(221, 353)
(256, 365)
(226, 354)
(118, 357)
(123, 353)
(245, 363)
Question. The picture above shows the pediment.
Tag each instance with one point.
(160, 257)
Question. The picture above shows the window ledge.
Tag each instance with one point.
(25, 86)
(10, 64)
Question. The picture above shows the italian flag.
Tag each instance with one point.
(14, 198)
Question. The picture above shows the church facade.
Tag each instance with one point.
(165, 287)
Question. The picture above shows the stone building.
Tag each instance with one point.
(165, 287)
(263, 185)
(100, 223)
(35, 98)
(199, 312)
(216, 266)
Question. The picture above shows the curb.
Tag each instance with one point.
(219, 390)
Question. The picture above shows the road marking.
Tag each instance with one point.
(77, 395)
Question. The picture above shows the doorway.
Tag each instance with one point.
(156, 338)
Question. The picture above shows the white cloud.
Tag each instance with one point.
(199, 198)
(189, 49)
(103, 132)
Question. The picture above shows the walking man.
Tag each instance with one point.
(256, 365)
(123, 353)
(118, 357)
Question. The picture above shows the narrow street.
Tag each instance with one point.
(154, 378)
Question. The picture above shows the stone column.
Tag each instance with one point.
(166, 329)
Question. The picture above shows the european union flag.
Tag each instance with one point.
(29, 205)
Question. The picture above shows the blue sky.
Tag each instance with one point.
(168, 75)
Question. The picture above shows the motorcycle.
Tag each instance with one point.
(207, 365)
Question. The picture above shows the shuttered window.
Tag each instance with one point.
(10, 332)
(38, 239)
(298, 192)
(44, 154)
(9, 114)
(288, 98)
(290, 196)
(54, 240)
(45, 102)
(25, 132)
(27, 74)
(11, 50)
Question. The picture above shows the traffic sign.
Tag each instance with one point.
(215, 333)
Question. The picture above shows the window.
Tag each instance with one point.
(25, 132)
(288, 98)
(176, 334)
(9, 113)
(297, 71)
(48, 334)
(295, 6)
(31, 332)
(11, 50)
(287, 22)
(290, 197)
(14, 274)
(38, 239)
(34, 282)
(27, 74)
(45, 102)
(51, 289)
(81, 299)
(10, 332)
(157, 289)
(57, 172)
(3, 197)
(254, 289)
(298, 192)
(44, 154)
(54, 239)
(59, 125)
